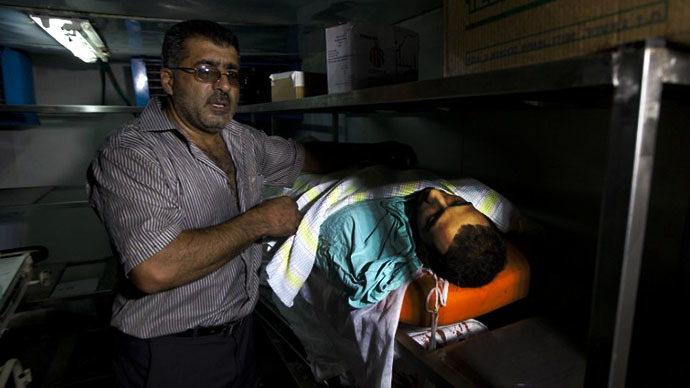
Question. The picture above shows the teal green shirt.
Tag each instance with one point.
(366, 250)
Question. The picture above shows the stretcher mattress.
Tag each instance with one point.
(510, 285)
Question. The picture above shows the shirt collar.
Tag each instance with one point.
(154, 119)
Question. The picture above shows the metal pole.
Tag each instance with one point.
(335, 128)
(274, 124)
(637, 95)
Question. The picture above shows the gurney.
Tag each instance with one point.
(359, 346)
(15, 277)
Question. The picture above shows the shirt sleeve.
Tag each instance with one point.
(366, 251)
(281, 160)
(334, 249)
(131, 195)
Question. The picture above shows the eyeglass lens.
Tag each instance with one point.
(210, 74)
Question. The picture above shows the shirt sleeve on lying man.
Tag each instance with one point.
(366, 250)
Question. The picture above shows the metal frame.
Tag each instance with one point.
(70, 109)
(289, 350)
(438, 373)
(636, 73)
(13, 368)
(38, 198)
(639, 76)
(15, 292)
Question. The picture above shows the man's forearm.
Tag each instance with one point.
(196, 253)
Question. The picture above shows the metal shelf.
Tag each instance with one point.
(573, 73)
(595, 71)
(26, 198)
(70, 109)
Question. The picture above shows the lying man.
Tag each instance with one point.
(370, 248)
(374, 222)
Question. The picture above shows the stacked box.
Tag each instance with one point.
(361, 55)
(482, 35)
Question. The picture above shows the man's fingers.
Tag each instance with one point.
(282, 216)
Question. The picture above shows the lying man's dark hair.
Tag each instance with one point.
(475, 256)
(173, 51)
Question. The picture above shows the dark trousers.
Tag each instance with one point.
(170, 361)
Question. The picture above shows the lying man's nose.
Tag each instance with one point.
(436, 197)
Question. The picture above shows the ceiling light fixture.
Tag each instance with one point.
(77, 35)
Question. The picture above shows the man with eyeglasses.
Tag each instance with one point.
(178, 190)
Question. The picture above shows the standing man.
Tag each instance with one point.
(178, 190)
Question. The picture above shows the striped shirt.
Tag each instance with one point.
(148, 183)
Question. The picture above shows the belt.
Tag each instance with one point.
(220, 330)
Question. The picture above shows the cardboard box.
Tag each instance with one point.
(361, 55)
(296, 84)
(482, 35)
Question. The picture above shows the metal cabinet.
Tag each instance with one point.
(635, 76)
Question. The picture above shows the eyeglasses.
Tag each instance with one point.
(209, 74)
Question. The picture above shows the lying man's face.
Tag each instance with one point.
(440, 215)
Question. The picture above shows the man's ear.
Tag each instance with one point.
(167, 80)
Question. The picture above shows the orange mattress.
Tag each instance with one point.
(510, 285)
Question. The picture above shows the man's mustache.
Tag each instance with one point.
(219, 97)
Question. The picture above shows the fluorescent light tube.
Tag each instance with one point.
(77, 35)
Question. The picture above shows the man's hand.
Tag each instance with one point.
(279, 216)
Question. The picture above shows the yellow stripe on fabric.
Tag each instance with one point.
(333, 196)
(448, 187)
(311, 194)
(416, 186)
(488, 202)
(309, 239)
(407, 188)
(293, 279)
(359, 197)
(349, 191)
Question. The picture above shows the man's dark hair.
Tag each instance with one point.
(475, 256)
(173, 51)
